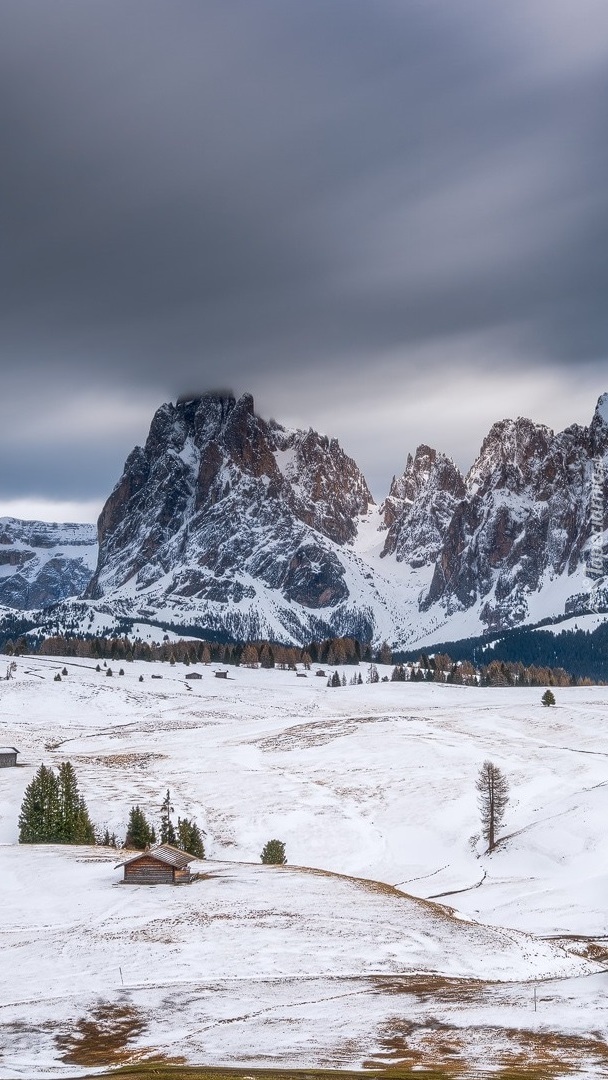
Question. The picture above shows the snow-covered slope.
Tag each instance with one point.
(42, 563)
(303, 967)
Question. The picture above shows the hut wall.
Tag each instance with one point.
(6, 760)
(182, 877)
(147, 871)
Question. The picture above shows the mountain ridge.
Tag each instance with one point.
(230, 521)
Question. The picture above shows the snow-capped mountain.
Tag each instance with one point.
(236, 522)
(237, 525)
(42, 563)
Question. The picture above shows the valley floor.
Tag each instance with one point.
(389, 938)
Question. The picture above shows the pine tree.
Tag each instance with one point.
(140, 833)
(274, 853)
(189, 838)
(493, 798)
(167, 832)
(548, 698)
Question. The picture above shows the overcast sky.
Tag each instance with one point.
(387, 219)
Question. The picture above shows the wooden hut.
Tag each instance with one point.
(161, 865)
(8, 756)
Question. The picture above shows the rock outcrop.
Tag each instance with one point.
(220, 504)
(42, 563)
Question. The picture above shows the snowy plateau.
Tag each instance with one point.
(227, 524)
(390, 936)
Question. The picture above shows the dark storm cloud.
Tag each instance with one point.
(194, 192)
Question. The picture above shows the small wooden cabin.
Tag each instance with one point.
(221, 674)
(194, 675)
(8, 756)
(161, 865)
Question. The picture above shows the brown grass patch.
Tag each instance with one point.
(452, 1051)
(100, 1040)
(120, 761)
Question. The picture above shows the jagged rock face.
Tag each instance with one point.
(420, 505)
(226, 521)
(42, 563)
(219, 500)
(525, 517)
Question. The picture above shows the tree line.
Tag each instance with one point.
(333, 652)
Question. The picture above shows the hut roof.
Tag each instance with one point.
(9, 750)
(164, 853)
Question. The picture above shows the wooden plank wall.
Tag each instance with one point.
(149, 871)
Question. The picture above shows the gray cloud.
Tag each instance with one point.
(200, 193)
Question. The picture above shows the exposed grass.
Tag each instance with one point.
(160, 1070)
(102, 1039)
(485, 1050)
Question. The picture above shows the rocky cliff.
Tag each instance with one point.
(221, 507)
(517, 524)
(43, 563)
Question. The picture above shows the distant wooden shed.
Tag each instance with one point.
(161, 865)
(221, 674)
(194, 675)
(8, 756)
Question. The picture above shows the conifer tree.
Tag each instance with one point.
(140, 833)
(167, 832)
(189, 838)
(273, 853)
(493, 798)
(74, 825)
(39, 814)
(53, 811)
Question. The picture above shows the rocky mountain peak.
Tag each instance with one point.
(510, 456)
(420, 505)
(217, 491)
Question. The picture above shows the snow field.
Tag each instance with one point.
(281, 965)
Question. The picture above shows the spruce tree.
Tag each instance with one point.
(189, 838)
(140, 833)
(53, 811)
(167, 832)
(39, 815)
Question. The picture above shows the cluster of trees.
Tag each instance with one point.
(515, 657)
(331, 651)
(582, 654)
(186, 835)
(442, 668)
(53, 810)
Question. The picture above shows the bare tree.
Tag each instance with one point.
(493, 798)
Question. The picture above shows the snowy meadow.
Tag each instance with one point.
(390, 938)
